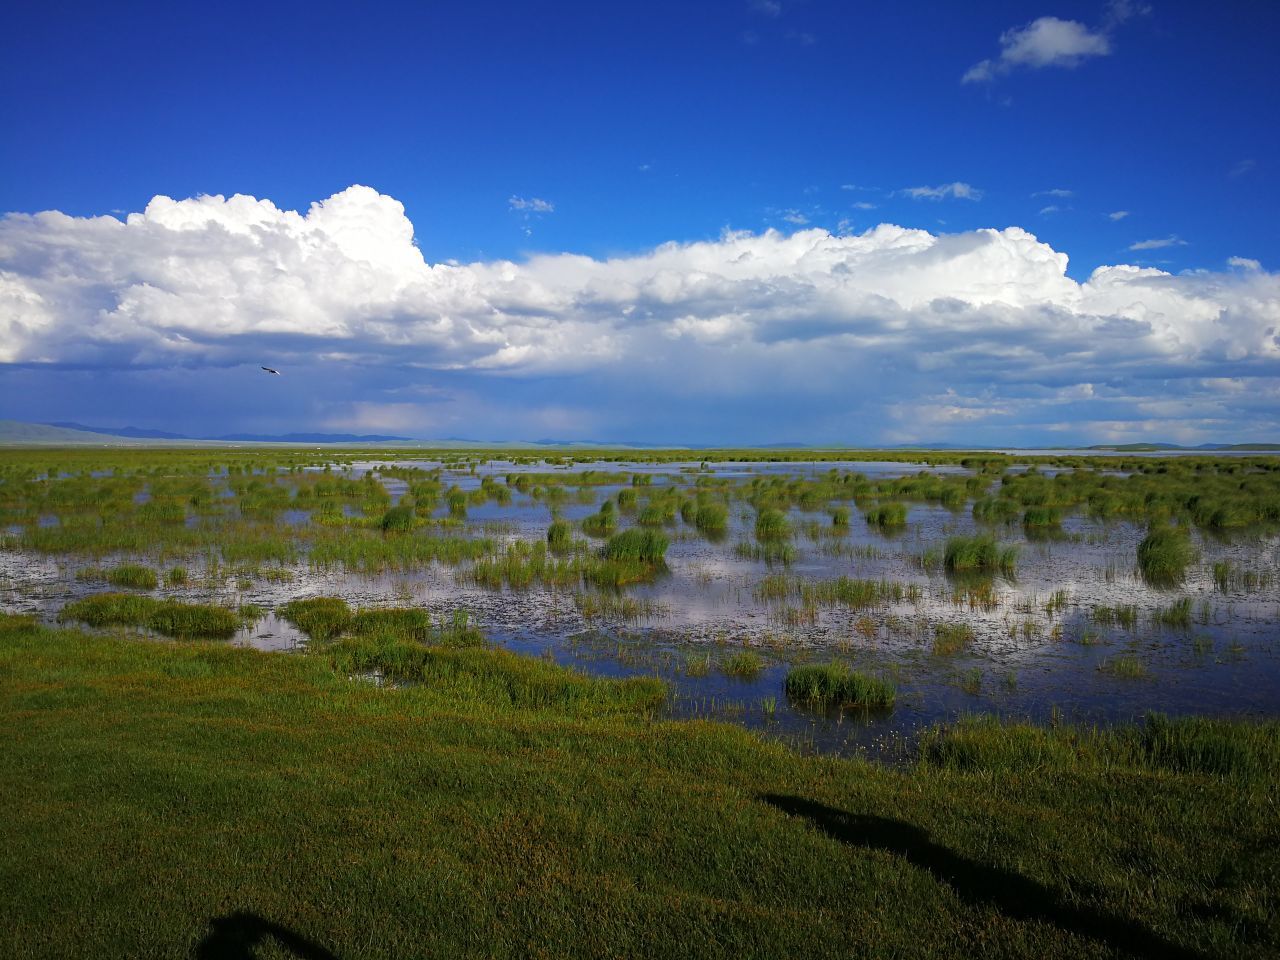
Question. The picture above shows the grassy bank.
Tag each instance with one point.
(179, 799)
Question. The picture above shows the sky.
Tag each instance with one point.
(740, 222)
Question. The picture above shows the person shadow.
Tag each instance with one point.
(235, 937)
(979, 884)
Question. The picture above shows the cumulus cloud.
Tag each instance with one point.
(957, 190)
(1117, 214)
(858, 325)
(1045, 42)
(1243, 263)
(1052, 42)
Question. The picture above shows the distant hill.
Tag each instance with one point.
(137, 433)
(1206, 447)
(17, 432)
(306, 438)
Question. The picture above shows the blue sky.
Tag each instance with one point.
(1117, 134)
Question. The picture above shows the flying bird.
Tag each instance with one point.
(269, 370)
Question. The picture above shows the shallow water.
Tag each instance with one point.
(1030, 657)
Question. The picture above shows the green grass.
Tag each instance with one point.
(1127, 665)
(711, 518)
(951, 638)
(980, 554)
(835, 685)
(560, 535)
(133, 575)
(641, 546)
(887, 515)
(745, 664)
(1164, 554)
(772, 525)
(168, 617)
(320, 618)
(497, 807)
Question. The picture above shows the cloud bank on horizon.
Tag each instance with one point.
(891, 335)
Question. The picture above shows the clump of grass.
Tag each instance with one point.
(1164, 554)
(711, 518)
(1042, 518)
(887, 515)
(643, 546)
(560, 535)
(168, 617)
(1126, 665)
(697, 665)
(745, 665)
(602, 523)
(951, 638)
(321, 618)
(981, 554)
(133, 575)
(398, 519)
(772, 525)
(1176, 615)
(971, 682)
(835, 685)
(840, 516)
(176, 577)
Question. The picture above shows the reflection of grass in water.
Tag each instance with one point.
(843, 591)
(595, 605)
(770, 553)
(1123, 615)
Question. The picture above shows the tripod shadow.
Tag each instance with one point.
(235, 936)
(979, 884)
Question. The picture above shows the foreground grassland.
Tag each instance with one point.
(188, 799)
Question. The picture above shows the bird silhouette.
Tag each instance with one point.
(269, 370)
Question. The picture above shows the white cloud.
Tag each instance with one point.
(1045, 42)
(768, 8)
(1117, 214)
(795, 217)
(532, 205)
(863, 205)
(1241, 167)
(1051, 208)
(1055, 192)
(1158, 243)
(958, 190)
(1243, 263)
(770, 319)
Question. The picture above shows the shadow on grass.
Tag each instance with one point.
(235, 936)
(979, 884)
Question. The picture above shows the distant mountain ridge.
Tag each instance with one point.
(13, 432)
